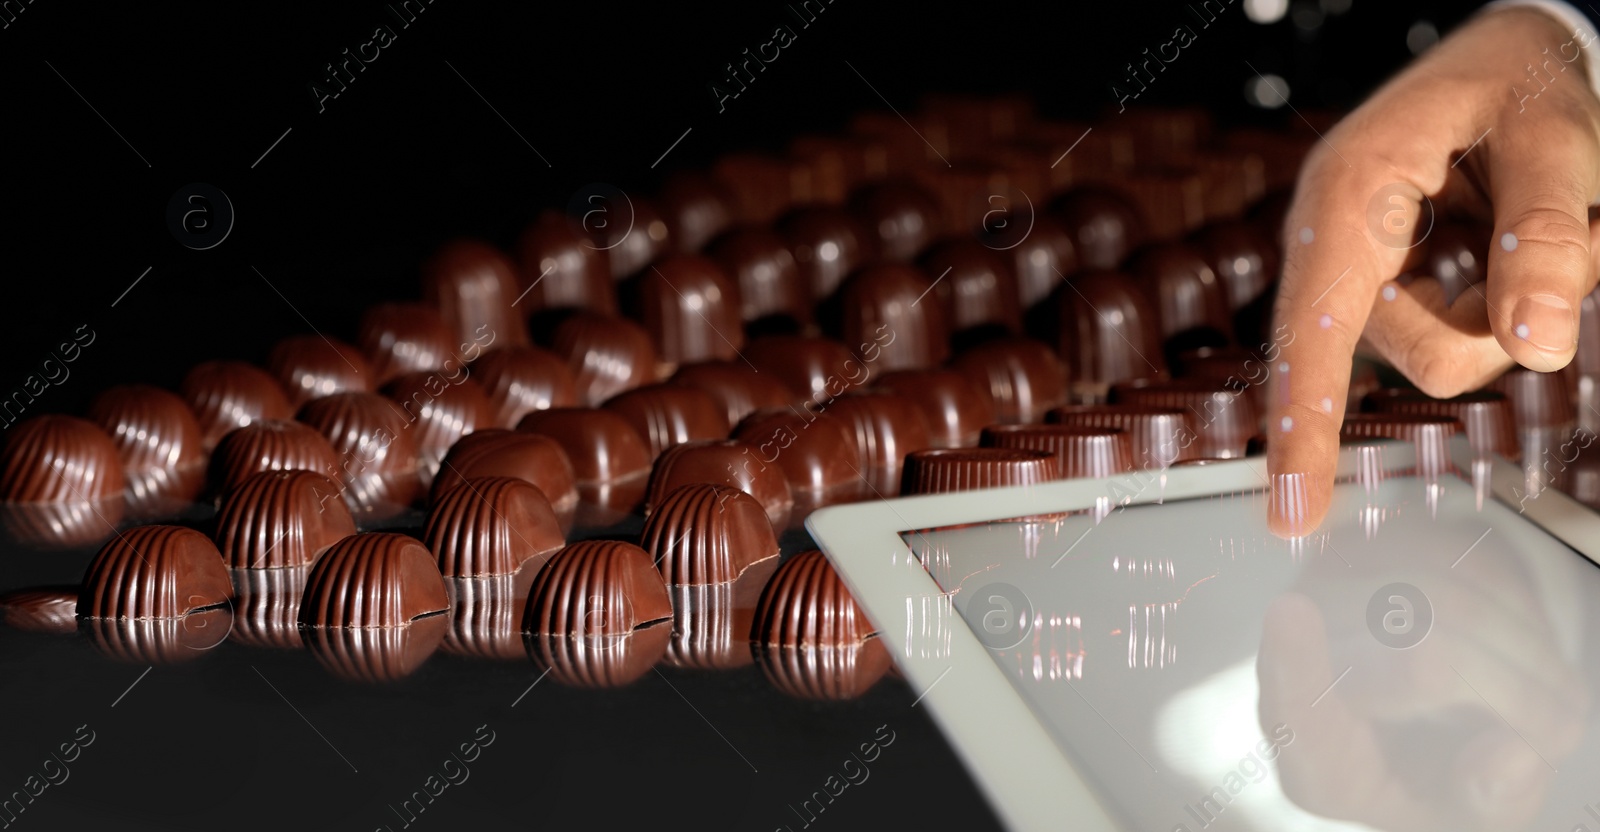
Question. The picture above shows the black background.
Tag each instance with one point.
(339, 214)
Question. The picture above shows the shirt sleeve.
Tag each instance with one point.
(1575, 19)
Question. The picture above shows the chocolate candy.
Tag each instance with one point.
(811, 636)
(1429, 434)
(491, 526)
(828, 243)
(966, 469)
(1159, 437)
(406, 337)
(884, 312)
(520, 380)
(505, 453)
(695, 208)
(606, 355)
(277, 519)
(1224, 418)
(596, 590)
(1539, 400)
(1079, 451)
(1457, 255)
(270, 445)
(1486, 415)
(1042, 260)
(704, 533)
(724, 462)
(46, 609)
(1108, 331)
(735, 385)
(377, 579)
(1171, 200)
(773, 294)
(610, 461)
(154, 572)
(473, 285)
(266, 605)
(561, 268)
(900, 219)
(976, 284)
(600, 663)
(631, 241)
(163, 641)
(763, 187)
(839, 164)
(231, 394)
(816, 452)
(1104, 225)
(690, 307)
(955, 408)
(670, 414)
(835, 674)
(711, 623)
(1244, 259)
(61, 459)
(486, 614)
(1024, 377)
(440, 409)
(376, 655)
(377, 452)
(814, 369)
(309, 366)
(1190, 299)
(963, 191)
(886, 427)
(163, 457)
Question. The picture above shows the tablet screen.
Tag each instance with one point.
(1422, 663)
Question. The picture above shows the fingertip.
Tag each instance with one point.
(1543, 332)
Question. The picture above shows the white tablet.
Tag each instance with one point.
(1424, 661)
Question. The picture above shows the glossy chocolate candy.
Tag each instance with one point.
(266, 606)
(726, 462)
(1486, 415)
(1104, 225)
(473, 285)
(52, 610)
(607, 355)
(595, 591)
(884, 313)
(559, 267)
(632, 235)
(486, 614)
(711, 623)
(886, 427)
(1023, 377)
(610, 460)
(671, 414)
(814, 369)
(763, 187)
(704, 533)
(1430, 435)
(1224, 418)
(816, 451)
(406, 337)
(505, 453)
(966, 469)
(270, 445)
(520, 380)
(1190, 300)
(690, 307)
(440, 409)
(373, 580)
(828, 243)
(487, 526)
(1080, 452)
(600, 663)
(737, 386)
(1457, 255)
(376, 449)
(1109, 332)
(279, 519)
(773, 294)
(900, 218)
(1158, 437)
(695, 208)
(1171, 200)
(311, 366)
(225, 395)
(1245, 260)
(1042, 260)
(811, 636)
(976, 285)
(61, 459)
(955, 408)
(839, 164)
(154, 572)
(161, 445)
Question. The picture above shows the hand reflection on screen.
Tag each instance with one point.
(1463, 729)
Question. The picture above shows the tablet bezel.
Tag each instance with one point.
(1031, 782)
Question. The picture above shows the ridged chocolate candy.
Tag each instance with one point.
(1429, 435)
(520, 380)
(154, 572)
(1109, 332)
(816, 452)
(486, 614)
(1224, 419)
(956, 409)
(610, 461)
(1486, 415)
(1539, 400)
(373, 580)
(696, 209)
(278, 519)
(506, 453)
(707, 534)
(1159, 437)
(807, 604)
(406, 337)
(377, 451)
(491, 526)
(473, 285)
(160, 641)
(671, 414)
(1079, 451)
(1024, 377)
(1244, 259)
(596, 590)
(1042, 259)
(976, 284)
(61, 459)
(763, 187)
(886, 426)
(1188, 296)
(376, 655)
(162, 449)
(266, 607)
(606, 355)
(814, 369)
(560, 268)
(1104, 225)
(711, 623)
(725, 462)
(967, 469)
(270, 445)
(45, 609)
(310, 366)
(440, 410)
(231, 394)
(630, 241)
(825, 674)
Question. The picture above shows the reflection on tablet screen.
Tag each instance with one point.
(1413, 667)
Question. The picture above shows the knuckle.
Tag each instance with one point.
(1553, 228)
(1440, 367)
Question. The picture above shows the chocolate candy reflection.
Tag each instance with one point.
(941, 471)
(813, 369)
(886, 427)
(707, 534)
(610, 461)
(1024, 377)
(442, 410)
(900, 218)
(377, 453)
(225, 395)
(828, 243)
(599, 663)
(606, 355)
(45, 609)
(277, 519)
(163, 458)
(520, 380)
(486, 614)
(473, 286)
(1079, 451)
(61, 459)
(711, 623)
(309, 366)
(504, 453)
(695, 208)
(1538, 400)
(883, 311)
(373, 580)
(560, 268)
(1109, 333)
(375, 655)
(724, 462)
(405, 337)
(955, 408)
(154, 572)
(810, 635)
(162, 641)
(826, 674)
(60, 526)
(491, 526)
(270, 445)
(1430, 435)
(736, 385)
(671, 414)
(690, 307)
(266, 607)
(1224, 418)
(1104, 226)
(772, 292)
(1485, 415)
(1159, 437)
(816, 452)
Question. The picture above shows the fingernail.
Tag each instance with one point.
(1287, 507)
(1545, 321)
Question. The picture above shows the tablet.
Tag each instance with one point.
(1422, 661)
